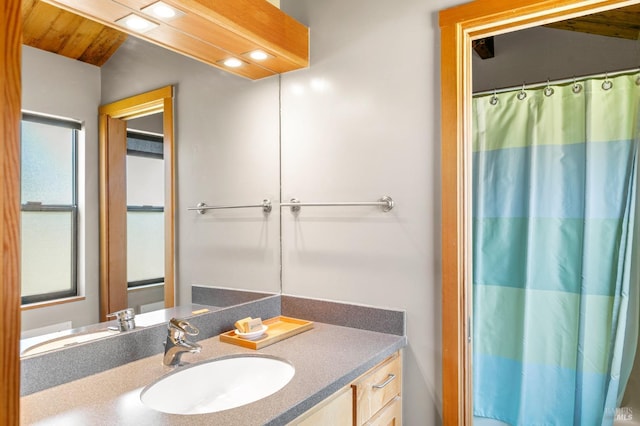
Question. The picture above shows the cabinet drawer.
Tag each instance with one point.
(337, 410)
(377, 388)
(390, 415)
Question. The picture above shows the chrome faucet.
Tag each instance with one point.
(176, 343)
(126, 320)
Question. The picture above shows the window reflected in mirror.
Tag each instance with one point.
(145, 219)
(49, 208)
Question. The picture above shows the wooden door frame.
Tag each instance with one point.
(10, 87)
(112, 268)
(459, 26)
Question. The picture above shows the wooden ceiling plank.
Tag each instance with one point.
(620, 23)
(106, 42)
(27, 7)
(116, 41)
(627, 19)
(59, 30)
(38, 24)
(81, 38)
(601, 29)
(50, 28)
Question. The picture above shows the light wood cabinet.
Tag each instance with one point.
(374, 399)
(337, 410)
(389, 415)
(375, 389)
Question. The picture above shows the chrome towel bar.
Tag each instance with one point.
(201, 208)
(386, 203)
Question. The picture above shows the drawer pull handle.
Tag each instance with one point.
(390, 378)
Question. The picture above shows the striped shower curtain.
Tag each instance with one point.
(555, 317)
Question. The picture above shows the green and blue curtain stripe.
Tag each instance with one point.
(554, 184)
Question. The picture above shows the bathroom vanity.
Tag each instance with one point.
(342, 372)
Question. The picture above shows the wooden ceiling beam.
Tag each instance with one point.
(606, 28)
(484, 47)
(620, 23)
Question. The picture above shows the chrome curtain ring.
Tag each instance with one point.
(522, 95)
(607, 84)
(548, 91)
(494, 99)
(577, 88)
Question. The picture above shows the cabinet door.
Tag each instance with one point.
(337, 410)
(374, 390)
(390, 415)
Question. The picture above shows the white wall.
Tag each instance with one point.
(537, 54)
(149, 123)
(56, 85)
(362, 122)
(227, 136)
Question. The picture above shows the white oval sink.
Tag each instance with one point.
(217, 385)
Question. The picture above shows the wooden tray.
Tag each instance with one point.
(280, 328)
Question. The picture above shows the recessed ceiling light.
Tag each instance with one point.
(232, 62)
(259, 55)
(162, 11)
(136, 23)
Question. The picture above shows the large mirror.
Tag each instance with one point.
(472, 22)
(227, 130)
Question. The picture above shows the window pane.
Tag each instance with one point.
(145, 145)
(47, 164)
(47, 250)
(145, 245)
(145, 181)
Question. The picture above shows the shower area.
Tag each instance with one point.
(556, 283)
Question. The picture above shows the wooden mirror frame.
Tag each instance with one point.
(10, 105)
(113, 195)
(459, 27)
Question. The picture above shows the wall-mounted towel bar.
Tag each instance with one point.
(201, 208)
(386, 203)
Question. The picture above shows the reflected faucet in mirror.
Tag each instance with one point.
(126, 319)
(177, 343)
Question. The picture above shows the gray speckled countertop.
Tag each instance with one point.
(326, 358)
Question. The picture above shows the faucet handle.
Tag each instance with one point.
(126, 319)
(126, 314)
(183, 326)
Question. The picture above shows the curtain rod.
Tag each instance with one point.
(557, 82)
